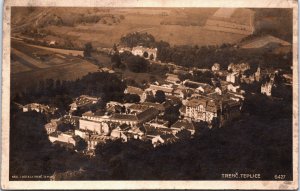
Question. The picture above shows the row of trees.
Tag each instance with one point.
(206, 56)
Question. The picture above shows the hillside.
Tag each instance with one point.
(178, 26)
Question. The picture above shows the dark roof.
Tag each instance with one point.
(183, 123)
(148, 113)
(169, 138)
(127, 117)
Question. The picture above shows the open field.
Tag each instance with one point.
(106, 36)
(176, 26)
(28, 67)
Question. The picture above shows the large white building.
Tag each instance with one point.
(100, 128)
(148, 53)
(207, 109)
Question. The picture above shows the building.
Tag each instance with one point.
(163, 139)
(232, 77)
(81, 133)
(148, 53)
(198, 86)
(100, 128)
(167, 89)
(40, 108)
(183, 124)
(136, 118)
(216, 67)
(233, 88)
(238, 68)
(52, 126)
(134, 90)
(65, 137)
(173, 78)
(214, 109)
(94, 140)
(266, 88)
(83, 101)
(119, 132)
(158, 123)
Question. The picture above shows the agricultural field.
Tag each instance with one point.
(176, 26)
(31, 64)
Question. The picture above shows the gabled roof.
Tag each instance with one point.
(183, 124)
(134, 90)
(123, 117)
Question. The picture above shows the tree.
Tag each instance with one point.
(146, 54)
(160, 96)
(131, 98)
(116, 60)
(65, 127)
(151, 57)
(87, 50)
(137, 64)
(81, 144)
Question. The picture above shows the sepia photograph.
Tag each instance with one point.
(112, 93)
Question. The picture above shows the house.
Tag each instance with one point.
(119, 132)
(238, 68)
(158, 123)
(136, 118)
(232, 77)
(135, 132)
(137, 108)
(215, 67)
(218, 90)
(52, 126)
(64, 137)
(198, 87)
(83, 101)
(233, 88)
(105, 69)
(100, 128)
(173, 78)
(182, 91)
(183, 124)
(266, 88)
(288, 78)
(94, 140)
(163, 139)
(134, 90)
(161, 107)
(210, 109)
(74, 120)
(52, 43)
(167, 89)
(39, 108)
(148, 53)
(82, 133)
(147, 95)
(152, 131)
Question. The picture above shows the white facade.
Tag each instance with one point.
(267, 89)
(231, 77)
(140, 51)
(94, 126)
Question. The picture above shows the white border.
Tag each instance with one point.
(88, 185)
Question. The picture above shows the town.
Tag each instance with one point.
(150, 93)
(215, 104)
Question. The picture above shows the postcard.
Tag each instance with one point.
(150, 95)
